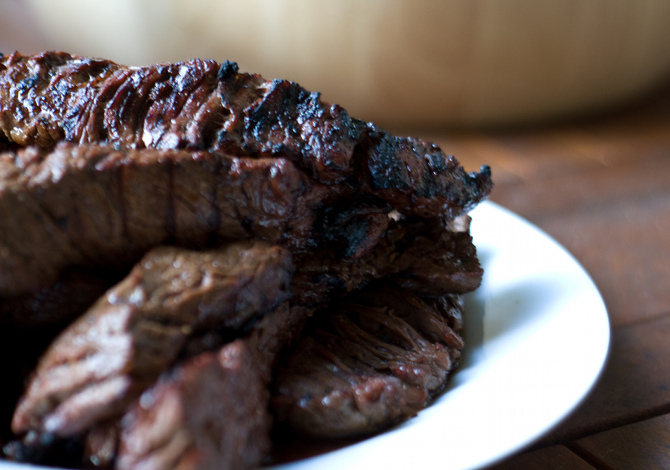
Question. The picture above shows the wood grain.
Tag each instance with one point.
(640, 446)
(601, 191)
(556, 458)
(601, 188)
(634, 385)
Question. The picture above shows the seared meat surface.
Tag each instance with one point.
(421, 255)
(235, 157)
(223, 251)
(98, 207)
(203, 105)
(368, 363)
(106, 358)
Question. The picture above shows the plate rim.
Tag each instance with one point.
(356, 456)
(353, 456)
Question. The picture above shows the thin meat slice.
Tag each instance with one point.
(102, 208)
(367, 364)
(424, 256)
(98, 207)
(137, 330)
(204, 105)
(211, 411)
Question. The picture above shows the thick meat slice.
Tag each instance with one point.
(204, 105)
(208, 413)
(424, 256)
(127, 339)
(368, 364)
(211, 411)
(95, 206)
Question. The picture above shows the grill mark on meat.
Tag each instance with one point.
(276, 119)
(94, 128)
(165, 126)
(104, 360)
(122, 210)
(207, 120)
(88, 106)
(255, 198)
(126, 113)
(292, 122)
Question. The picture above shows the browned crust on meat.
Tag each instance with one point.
(203, 105)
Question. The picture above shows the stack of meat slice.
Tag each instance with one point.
(183, 223)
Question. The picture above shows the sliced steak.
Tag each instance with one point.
(422, 255)
(102, 208)
(211, 411)
(203, 105)
(208, 413)
(368, 363)
(136, 331)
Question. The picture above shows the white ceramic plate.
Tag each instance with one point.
(537, 337)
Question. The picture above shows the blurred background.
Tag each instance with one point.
(400, 63)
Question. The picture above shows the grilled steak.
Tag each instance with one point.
(293, 156)
(127, 339)
(211, 411)
(368, 363)
(202, 105)
(245, 205)
(424, 256)
(94, 206)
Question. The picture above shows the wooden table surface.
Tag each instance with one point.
(601, 188)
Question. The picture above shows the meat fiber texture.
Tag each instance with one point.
(123, 343)
(368, 363)
(103, 201)
(203, 105)
(217, 211)
(211, 411)
(98, 207)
